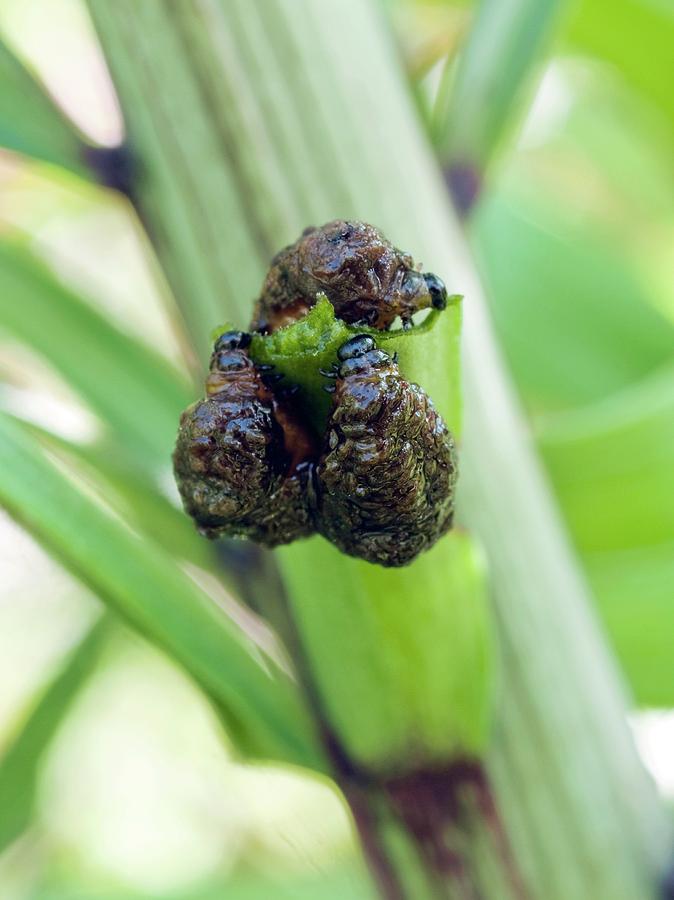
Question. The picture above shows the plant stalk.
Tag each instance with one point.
(251, 120)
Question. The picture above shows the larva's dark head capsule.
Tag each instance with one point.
(229, 361)
(232, 340)
(437, 290)
(356, 346)
(360, 354)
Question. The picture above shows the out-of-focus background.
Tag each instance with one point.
(574, 235)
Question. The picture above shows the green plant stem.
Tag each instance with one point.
(482, 96)
(255, 119)
(436, 834)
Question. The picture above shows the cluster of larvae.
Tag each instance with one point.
(379, 483)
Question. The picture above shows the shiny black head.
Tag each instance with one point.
(356, 346)
(232, 340)
(229, 351)
(361, 356)
(437, 290)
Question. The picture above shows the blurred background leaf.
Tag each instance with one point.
(636, 37)
(137, 394)
(31, 123)
(611, 464)
(573, 314)
(480, 99)
(20, 761)
(337, 884)
(143, 584)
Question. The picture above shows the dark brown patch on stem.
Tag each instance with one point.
(429, 804)
(438, 811)
(113, 167)
(382, 868)
(464, 183)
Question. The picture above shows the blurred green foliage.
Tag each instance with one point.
(20, 762)
(573, 231)
(337, 884)
(31, 123)
(574, 237)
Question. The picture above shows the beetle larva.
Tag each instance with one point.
(385, 483)
(367, 280)
(241, 455)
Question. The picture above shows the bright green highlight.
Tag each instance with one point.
(401, 657)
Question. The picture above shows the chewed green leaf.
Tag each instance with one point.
(30, 121)
(146, 586)
(20, 763)
(300, 350)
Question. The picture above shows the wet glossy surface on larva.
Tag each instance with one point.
(379, 483)
(385, 484)
(238, 457)
(367, 280)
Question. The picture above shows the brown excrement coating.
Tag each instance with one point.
(385, 482)
(238, 458)
(380, 488)
(380, 483)
(367, 280)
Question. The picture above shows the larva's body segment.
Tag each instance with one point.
(385, 483)
(239, 455)
(379, 483)
(367, 280)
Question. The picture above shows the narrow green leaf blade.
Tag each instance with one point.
(135, 497)
(136, 393)
(506, 43)
(20, 763)
(30, 121)
(144, 585)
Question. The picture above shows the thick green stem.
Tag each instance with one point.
(252, 120)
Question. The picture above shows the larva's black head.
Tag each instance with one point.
(232, 340)
(360, 355)
(356, 346)
(229, 352)
(437, 290)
